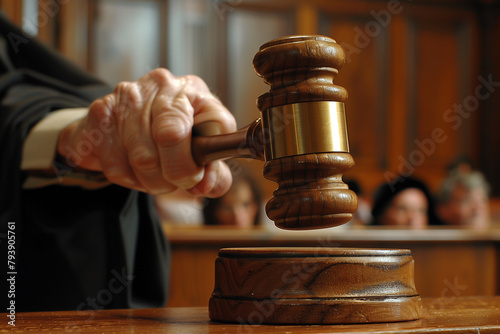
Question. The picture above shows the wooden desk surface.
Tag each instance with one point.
(462, 315)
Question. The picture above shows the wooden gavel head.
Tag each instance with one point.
(301, 134)
(304, 132)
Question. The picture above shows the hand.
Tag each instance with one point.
(140, 135)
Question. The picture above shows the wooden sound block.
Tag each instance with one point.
(314, 286)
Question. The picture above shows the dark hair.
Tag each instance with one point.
(354, 186)
(386, 192)
(240, 176)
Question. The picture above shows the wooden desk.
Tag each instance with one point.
(464, 315)
(449, 263)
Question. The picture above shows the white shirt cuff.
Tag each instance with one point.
(40, 146)
(39, 152)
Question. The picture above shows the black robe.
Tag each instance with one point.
(75, 249)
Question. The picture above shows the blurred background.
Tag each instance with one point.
(422, 76)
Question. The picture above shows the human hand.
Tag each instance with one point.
(140, 136)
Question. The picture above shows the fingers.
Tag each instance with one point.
(216, 182)
(135, 134)
(173, 120)
(148, 145)
(112, 159)
(206, 106)
(171, 130)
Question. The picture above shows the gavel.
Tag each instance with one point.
(301, 134)
(302, 137)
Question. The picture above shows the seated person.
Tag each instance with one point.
(463, 200)
(405, 202)
(240, 206)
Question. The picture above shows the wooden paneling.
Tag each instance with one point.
(441, 107)
(73, 38)
(490, 115)
(13, 9)
(195, 264)
(248, 27)
(365, 77)
(307, 18)
(439, 274)
(412, 69)
(448, 263)
(48, 17)
(409, 66)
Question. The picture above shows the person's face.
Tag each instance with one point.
(468, 207)
(408, 208)
(237, 207)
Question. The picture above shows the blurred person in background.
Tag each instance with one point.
(404, 202)
(241, 206)
(463, 200)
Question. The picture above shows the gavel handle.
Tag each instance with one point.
(244, 143)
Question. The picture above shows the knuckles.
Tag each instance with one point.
(195, 81)
(164, 78)
(169, 128)
(99, 110)
(143, 161)
(116, 174)
(171, 132)
(161, 76)
(128, 96)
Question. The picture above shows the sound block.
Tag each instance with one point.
(314, 285)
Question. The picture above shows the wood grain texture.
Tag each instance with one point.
(310, 192)
(300, 69)
(247, 142)
(468, 315)
(314, 286)
(315, 311)
(462, 262)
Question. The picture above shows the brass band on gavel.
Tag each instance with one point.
(303, 128)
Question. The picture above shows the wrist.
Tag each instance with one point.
(75, 151)
(63, 152)
(41, 144)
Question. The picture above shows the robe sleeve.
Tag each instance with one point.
(75, 248)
